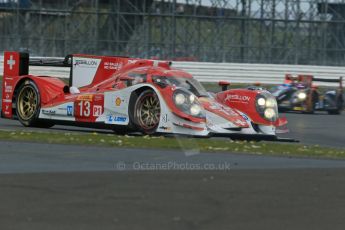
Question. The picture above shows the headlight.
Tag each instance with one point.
(191, 98)
(266, 106)
(269, 113)
(188, 103)
(180, 99)
(195, 109)
(262, 101)
(302, 95)
(271, 102)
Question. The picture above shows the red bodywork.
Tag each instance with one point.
(244, 101)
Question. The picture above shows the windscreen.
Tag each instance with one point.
(187, 83)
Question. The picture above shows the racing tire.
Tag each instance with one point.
(28, 104)
(339, 109)
(147, 111)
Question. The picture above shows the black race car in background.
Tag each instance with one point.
(299, 94)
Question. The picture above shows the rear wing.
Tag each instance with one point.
(308, 79)
(51, 62)
(83, 69)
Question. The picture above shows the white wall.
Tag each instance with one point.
(233, 72)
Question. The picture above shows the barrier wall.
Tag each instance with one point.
(232, 72)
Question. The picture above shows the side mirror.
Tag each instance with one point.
(74, 90)
(224, 85)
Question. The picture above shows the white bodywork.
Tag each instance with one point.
(169, 123)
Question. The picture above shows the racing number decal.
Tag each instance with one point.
(84, 108)
(83, 105)
(97, 110)
(88, 107)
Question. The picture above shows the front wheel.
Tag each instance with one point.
(147, 112)
(28, 106)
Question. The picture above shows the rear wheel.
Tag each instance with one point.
(340, 107)
(28, 106)
(147, 112)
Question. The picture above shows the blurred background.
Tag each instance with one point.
(250, 31)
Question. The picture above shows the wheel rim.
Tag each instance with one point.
(27, 103)
(148, 112)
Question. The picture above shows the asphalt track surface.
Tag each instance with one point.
(77, 187)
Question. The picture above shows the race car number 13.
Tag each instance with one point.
(84, 108)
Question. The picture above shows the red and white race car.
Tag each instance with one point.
(129, 94)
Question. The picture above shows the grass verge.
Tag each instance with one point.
(184, 143)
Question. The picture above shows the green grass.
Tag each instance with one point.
(184, 143)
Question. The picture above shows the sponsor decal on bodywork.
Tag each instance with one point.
(85, 97)
(97, 110)
(8, 88)
(165, 118)
(58, 112)
(234, 97)
(224, 111)
(85, 63)
(218, 107)
(69, 110)
(49, 111)
(118, 101)
(112, 65)
(115, 119)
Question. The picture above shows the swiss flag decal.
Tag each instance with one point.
(11, 63)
